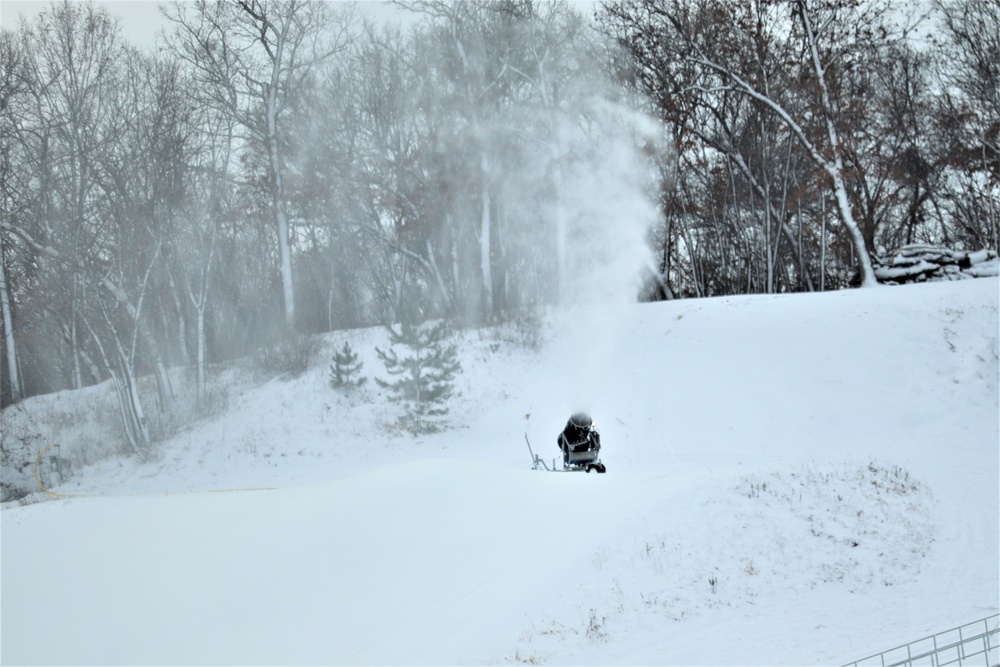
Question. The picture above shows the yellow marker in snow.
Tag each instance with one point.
(38, 480)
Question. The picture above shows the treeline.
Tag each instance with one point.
(284, 168)
(812, 133)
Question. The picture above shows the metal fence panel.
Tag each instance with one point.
(976, 643)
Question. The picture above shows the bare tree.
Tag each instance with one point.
(12, 84)
(205, 210)
(557, 61)
(969, 112)
(251, 58)
(475, 38)
(792, 59)
(74, 51)
(100, 142)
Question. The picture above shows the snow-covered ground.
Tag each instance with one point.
(799, 479)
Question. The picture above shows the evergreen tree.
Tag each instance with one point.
(345, 372)
(424, 375)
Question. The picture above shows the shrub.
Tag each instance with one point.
(291, 355)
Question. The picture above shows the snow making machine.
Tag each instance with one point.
(580, 443)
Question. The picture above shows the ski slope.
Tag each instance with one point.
(794, 479)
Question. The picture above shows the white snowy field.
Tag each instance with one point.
(792, 480)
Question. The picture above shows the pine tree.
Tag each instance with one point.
(345, 372)
(424, 375)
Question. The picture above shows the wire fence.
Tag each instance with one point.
(976, 643)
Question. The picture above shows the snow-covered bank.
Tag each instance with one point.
(801, 479)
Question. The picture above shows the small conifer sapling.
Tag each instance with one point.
(424, 374)
(345, 371)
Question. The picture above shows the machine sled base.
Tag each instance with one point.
(585, 461)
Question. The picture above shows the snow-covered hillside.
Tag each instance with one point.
(798, 479)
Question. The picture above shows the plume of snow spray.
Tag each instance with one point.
(610, 205)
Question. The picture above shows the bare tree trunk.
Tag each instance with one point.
(74, 346)
(163, 385)
(133, 418)
(485, 240)
(439, 279)
(136, 424)
(181, 319)
(201, 355)
(822, 246)
(835, 167)
(74, 343)
(278, 199)
(13, 375)
(199, 302)
(456, 273)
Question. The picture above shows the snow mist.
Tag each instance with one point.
(600, 202)
(611, 206)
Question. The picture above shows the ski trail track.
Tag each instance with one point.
(544, 513)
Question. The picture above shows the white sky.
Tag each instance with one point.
(140, 19)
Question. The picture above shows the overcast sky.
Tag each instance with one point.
(141, 19)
